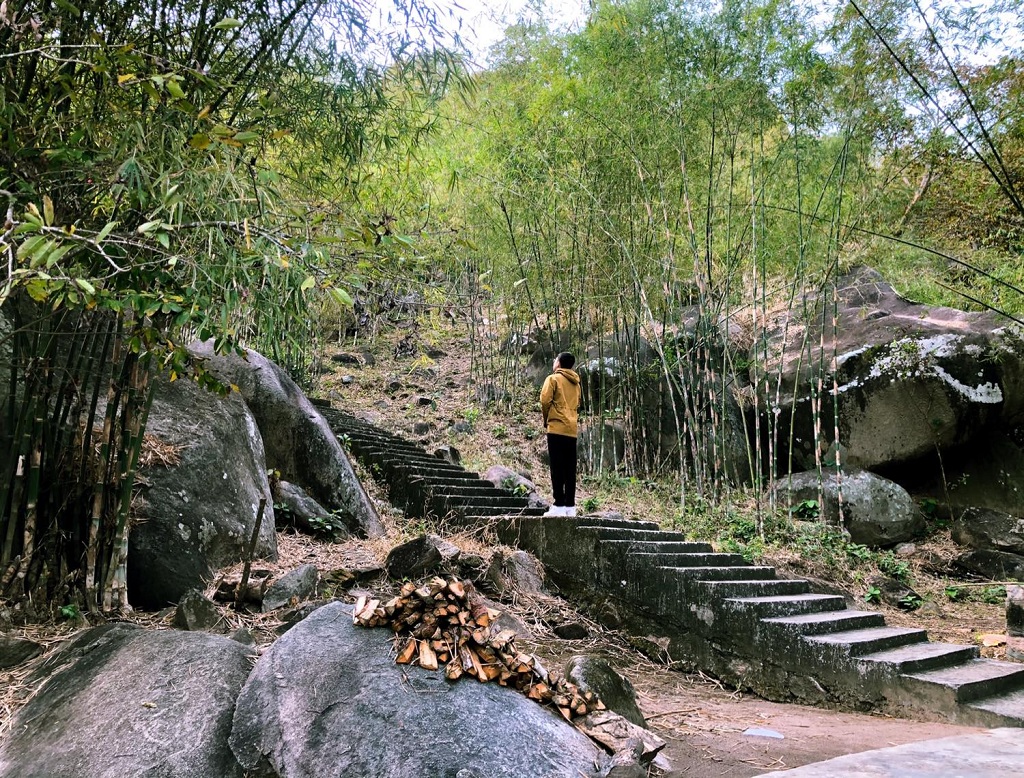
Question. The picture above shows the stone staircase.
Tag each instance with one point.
(708, 610)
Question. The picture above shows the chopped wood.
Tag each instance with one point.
(428, 660)
(406, 654)
(448, 623)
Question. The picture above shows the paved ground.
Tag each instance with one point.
(997, 753)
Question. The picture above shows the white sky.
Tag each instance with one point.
(481, 24)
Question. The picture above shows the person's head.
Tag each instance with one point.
(565, 360)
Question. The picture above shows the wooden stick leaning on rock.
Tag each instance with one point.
(448, 623)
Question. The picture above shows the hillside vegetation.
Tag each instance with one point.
(277, 175)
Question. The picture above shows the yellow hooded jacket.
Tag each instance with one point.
(559, 400)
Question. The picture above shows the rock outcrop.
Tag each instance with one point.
(198, 505)
(122, 702)
(327, 700)
(298, 441)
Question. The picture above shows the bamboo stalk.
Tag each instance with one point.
(243, 584)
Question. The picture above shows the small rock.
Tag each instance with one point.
(347, 379)
(368, 358)
(14, 651)
(420, 555)
(449, 454)
(423, 401)
(1015, 649)
(905, 549)
(463, 427)
(615, 691)
(292, 617)
(345, 359)
(1015, 611)
(196, 613)
(243, 636)
(421, 427)
(572, 630)
(895, 593)
(394, 386)
(525, 573)
(931, 608)
(435, 353)
(763, 732)
(293, 587)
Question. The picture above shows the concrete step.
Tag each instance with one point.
(604, 522)
(1008, 706)
(415, 469)
(469, 516)
(774, 606)
(482, 511)
(918, 657)
(469, 490)
(656, 546)
(823, 623)
(747, 573)
(857, 642)
(733, 589)
(622, 533)
(687, 559)
(969, 681)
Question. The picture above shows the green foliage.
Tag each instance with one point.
(807, 509)
(873, 595)
(590, 504)
(70, 612)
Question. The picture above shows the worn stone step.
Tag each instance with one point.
(517, 512)
(1009, 707)
(602, 521)
(386, 455)
(481, 511)
(446, 489)
(622, 533)
(416, 469)
(657, 546)
(486, 502)
(857, 642)
(687, 559)
(773, 606)
(917, 657)
(733, 589)
(822, 623)
(732, 573)
(969, 681)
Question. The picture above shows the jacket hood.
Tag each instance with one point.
(570, 374)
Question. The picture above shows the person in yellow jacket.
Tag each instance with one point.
(559, 402)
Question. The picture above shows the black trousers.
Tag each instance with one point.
(562, 453)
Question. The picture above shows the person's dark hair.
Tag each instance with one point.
(566, 360)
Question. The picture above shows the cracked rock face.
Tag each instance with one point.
(901, 379)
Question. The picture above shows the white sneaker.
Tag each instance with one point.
(554, 510)
(569, 511)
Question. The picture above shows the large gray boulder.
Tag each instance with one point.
(122, 702)
(911, 379)
(874, 510)
(299, 443)
(197, 511)
(988, 530)
(327, 700)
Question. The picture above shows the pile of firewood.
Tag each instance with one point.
(448, 623)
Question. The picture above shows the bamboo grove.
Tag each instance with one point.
(671, 181)
(169, 172)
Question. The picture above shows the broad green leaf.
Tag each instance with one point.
(85, 286)
(124, 78)
(247, 136)
(27, 248)
(227, 24)
(163, 240)
(341, 296)
(47, 209)
(199, 141)
(308, 284)
(148, 226)
(175, 90)
(103, 234)
(55, 255)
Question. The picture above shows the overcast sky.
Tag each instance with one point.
(483, 22)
